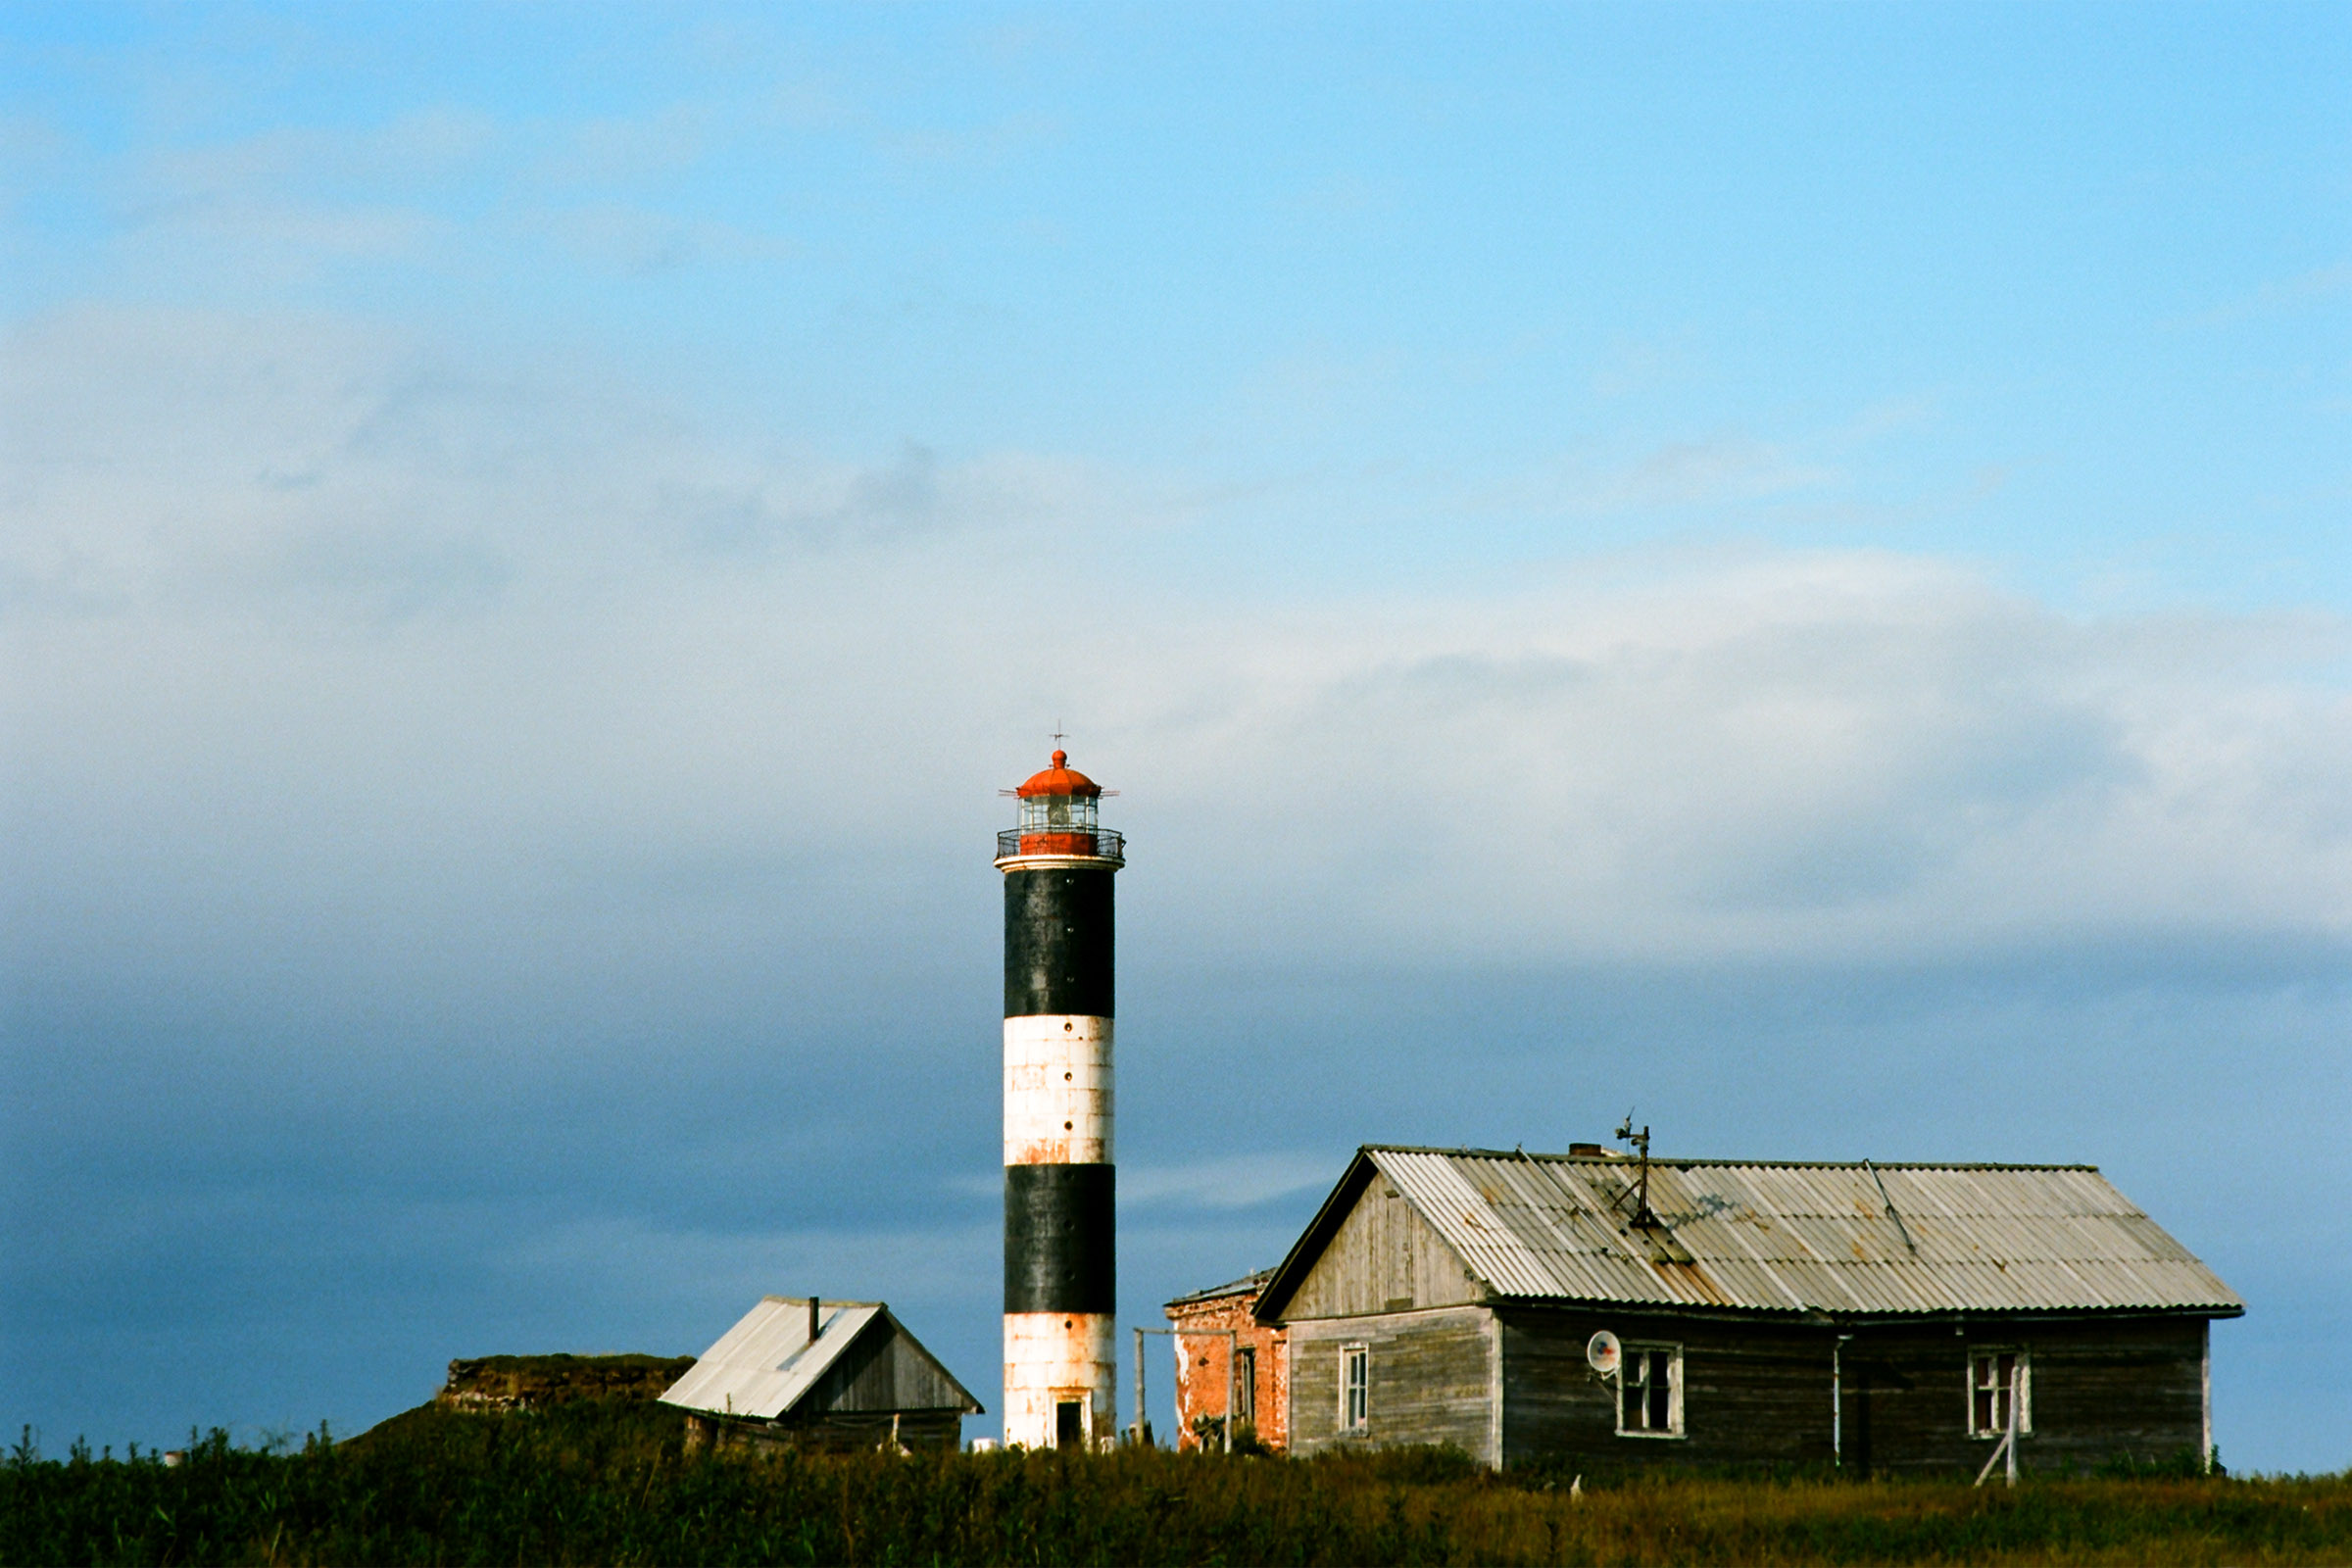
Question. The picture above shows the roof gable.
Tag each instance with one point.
(1843, 1238)
(1383, 1255)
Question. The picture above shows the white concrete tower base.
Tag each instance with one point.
(1055, 1357)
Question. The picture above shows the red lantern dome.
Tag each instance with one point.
(1060, 779)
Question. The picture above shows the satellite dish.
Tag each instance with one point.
(1603, 1352)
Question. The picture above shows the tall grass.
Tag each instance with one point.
(609, 1483)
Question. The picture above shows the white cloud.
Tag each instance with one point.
(1685, 472)
(1828, 754)
(642, 242)
(161, 459)
(381, 631)
(2317, 287)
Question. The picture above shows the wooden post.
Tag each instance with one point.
(1138, 1439)
(2007, 1447)
(1991, 1459)
(2017, 1380)
(1837, 1402)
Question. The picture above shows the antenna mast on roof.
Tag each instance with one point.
(1642, 1218)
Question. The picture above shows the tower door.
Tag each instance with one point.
(1069, 1423)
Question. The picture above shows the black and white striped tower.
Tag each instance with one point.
(1061, 1277)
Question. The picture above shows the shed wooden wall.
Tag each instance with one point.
(1432, 1377)
(1761, 1393)
(919, 1430)
(1383, 1257)
(883, 1372)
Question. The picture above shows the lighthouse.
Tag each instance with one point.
(1060, 1276)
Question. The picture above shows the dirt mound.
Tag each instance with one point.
(535, 1382)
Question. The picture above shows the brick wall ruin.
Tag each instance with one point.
(1202, 1364)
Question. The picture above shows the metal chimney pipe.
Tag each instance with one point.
(813, 1305)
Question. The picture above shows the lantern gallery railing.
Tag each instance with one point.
(1094, 844)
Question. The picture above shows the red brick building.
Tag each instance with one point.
(1261, 1394)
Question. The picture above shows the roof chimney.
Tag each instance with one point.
(1585, 1150)
(812, 1304)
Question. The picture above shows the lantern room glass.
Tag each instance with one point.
(1061, 814)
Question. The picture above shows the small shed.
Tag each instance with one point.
(1895, 1318)
(824, 1375)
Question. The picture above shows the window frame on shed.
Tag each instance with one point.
(1646, 1348)
(2021, 1389)
(1355, 1389)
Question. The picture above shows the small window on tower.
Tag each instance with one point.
(1650, 1392)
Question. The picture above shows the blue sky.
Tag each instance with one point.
(1788, 565)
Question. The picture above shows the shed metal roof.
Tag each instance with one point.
(762, 1365)
(1847, 1239)
(767, 1363)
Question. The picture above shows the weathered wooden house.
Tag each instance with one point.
(1891, 1318)
(822, 1375)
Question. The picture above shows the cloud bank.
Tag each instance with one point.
(492, 632)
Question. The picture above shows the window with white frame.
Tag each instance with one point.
(1355, 1388)
(1245, 1384)
(1650, 1392)
(1997, 1376)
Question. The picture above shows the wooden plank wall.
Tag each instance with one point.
(1760, 1394)
(1751, 1394)
(1385, 1257)
(1430, 1380)
(2102, 1392)
(919, 1430)
(881, 1373)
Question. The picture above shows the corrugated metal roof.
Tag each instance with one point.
(1860, 1239)
(762, 1365)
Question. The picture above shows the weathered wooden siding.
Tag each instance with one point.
(919, 1430)
(2100, 1392)
(1760, 1394)
(1751, 1392)
(883, 1372)
(1431, 1376)
(1383, 1257)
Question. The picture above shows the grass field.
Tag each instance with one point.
(606, 1482)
